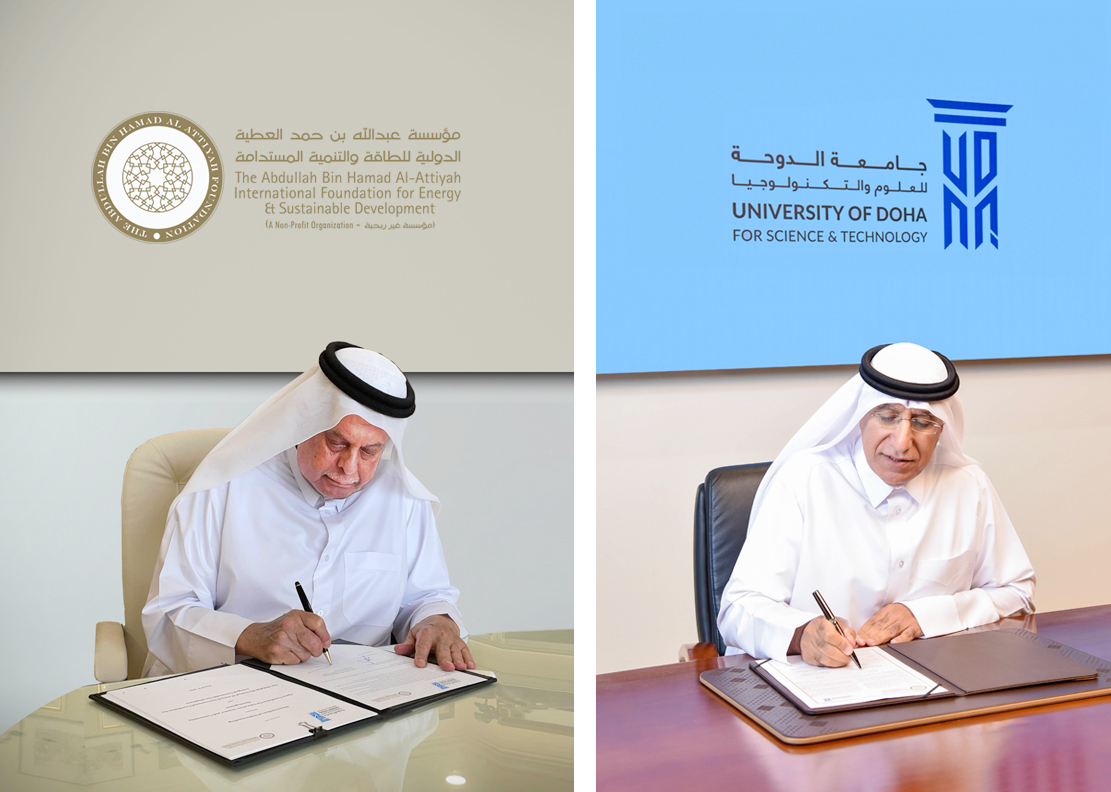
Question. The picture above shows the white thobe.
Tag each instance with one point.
(371, 564)
(942, 545)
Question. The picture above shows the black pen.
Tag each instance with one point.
(308, 609)
(821, 604)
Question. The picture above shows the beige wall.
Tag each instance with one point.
(1038, 426)
(489, 288)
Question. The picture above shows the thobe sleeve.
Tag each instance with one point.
(427, 589)
(755, 616)
(1002, 581)
(184, 631)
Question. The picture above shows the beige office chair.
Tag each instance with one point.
(156, 472)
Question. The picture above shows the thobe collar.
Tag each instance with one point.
(311, 496)
(876, 490)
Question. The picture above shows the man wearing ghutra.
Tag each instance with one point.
(874, 504)
(311, 487)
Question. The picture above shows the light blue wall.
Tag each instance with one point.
(683, 90)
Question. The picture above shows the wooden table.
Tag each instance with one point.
(658, 728)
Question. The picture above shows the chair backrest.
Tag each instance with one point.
(155, 474)
(721, 511)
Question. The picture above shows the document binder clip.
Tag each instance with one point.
(315, 731)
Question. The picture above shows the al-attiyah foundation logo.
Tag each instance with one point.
(157, 177)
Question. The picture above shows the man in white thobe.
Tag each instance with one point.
(874, 504)
(311, 488)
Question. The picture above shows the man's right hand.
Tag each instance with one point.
(288, 640)
(820, 644)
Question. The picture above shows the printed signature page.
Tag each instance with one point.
(881, 676)
(235, 711)
(376, 676)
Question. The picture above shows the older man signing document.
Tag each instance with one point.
(311, 487)
(874, 503)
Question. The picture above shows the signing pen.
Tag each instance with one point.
(821, 604)
(308, 609)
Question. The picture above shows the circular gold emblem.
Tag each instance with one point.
(157, 177)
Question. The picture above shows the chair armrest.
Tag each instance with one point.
(697, 651)
(110, 655)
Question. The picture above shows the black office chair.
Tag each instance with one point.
(721, 511)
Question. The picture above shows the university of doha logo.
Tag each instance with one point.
(157, 177)
(977, 190)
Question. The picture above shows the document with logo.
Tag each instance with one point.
(243, 712)
(234, 712)
(378, 677)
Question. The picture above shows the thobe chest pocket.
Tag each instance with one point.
(945, 575)
(372, 588)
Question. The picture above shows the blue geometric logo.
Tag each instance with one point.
(320, 717)
(977, 189)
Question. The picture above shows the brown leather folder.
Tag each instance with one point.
(964, 664)
(1010, 671)
(997, 660)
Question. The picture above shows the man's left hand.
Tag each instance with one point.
(437, 635)
(893, 624)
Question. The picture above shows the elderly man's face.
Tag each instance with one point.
(897, 454)
(342, 460)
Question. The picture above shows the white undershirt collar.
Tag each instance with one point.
(876, 489)
(311, 496)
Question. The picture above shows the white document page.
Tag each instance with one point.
(880, 676)
(377, 676)
(235, 711)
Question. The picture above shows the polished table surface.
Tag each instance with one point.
(514, 735)
(658, 728)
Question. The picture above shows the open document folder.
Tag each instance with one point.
(951, 665)
(881, 679)
(241, 712)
